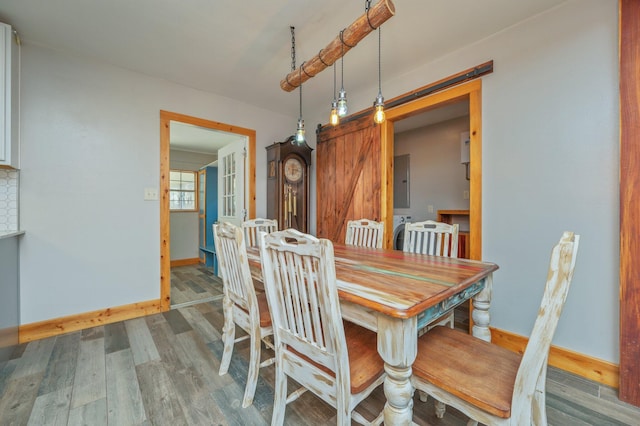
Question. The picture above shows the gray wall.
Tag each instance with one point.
(550, 136)
(92, 242)
(437, 178)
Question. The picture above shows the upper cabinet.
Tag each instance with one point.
(9, 106)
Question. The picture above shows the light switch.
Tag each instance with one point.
(150, 194)
(430, 209)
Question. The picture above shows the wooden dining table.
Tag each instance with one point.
(396, 294)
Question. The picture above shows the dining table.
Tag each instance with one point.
(396, 294)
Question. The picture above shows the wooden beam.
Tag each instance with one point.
(349, 38)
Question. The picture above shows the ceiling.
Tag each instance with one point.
(187, 137)
(242, 49)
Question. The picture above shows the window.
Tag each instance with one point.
(229, 185)
(183, 191)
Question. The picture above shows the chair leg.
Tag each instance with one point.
(280, 395)
(228, 337)
(343, 414)
(539, 409)
(254, 366)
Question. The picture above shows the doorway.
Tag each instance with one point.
(469, 93)
(430, 164)
(165, 137)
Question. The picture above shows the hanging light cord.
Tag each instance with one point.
(293, 62)
(341, 62)
(379, 61)
(334, 81)
(301, 91)
(293, 48)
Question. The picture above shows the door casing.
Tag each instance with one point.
(165, 237)
(470, 92)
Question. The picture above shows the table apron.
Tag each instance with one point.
(367, 318)
(433, 313)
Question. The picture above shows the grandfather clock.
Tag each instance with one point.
(288, 184)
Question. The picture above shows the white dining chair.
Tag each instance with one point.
(490, 384)
(431, 237)
(435, 239)
(241, 305)
(337, 361)
(364, 233)
(253, 227)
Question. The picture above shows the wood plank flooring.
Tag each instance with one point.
(163, 370)
(194, 284)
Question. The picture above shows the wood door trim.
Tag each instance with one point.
(165, 119)
(472, 92)
(629, 51)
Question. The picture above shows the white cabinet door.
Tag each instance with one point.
(9, 107)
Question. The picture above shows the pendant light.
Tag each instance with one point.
(334, 119)
(342, 96)
(378, 104)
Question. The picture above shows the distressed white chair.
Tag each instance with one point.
(337, 361)
(253, 227)
(430, 237)
(488, 383)
(436, 239)
(241, 305)
(364, 233)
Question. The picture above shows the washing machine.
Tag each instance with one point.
(398, 230)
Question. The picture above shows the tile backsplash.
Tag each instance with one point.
(9, 200)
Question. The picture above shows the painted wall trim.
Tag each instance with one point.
(62, 325)
(604, 372)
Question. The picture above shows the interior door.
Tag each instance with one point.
(231, 182)
(350, 186)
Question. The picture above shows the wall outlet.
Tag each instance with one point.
(430, 209)
(150, 194)
(465, 195)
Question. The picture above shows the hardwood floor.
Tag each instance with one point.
(194, 284)
(163, 370)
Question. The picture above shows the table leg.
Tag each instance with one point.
(480, 315)
(397, 345)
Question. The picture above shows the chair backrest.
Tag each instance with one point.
(300, 282)
(534, 360)
(253, 227)
(430, 237)
(234, 267)
(364, 233)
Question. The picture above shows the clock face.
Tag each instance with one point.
(293, 169)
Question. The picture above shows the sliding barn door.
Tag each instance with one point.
(349, 175)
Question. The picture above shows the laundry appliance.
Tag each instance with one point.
(398, 230)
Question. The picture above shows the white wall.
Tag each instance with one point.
(437, 178)
(90, 145)
(550, 163)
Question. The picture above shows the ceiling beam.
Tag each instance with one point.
(346, 39)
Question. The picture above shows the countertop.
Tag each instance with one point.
(9, 234)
